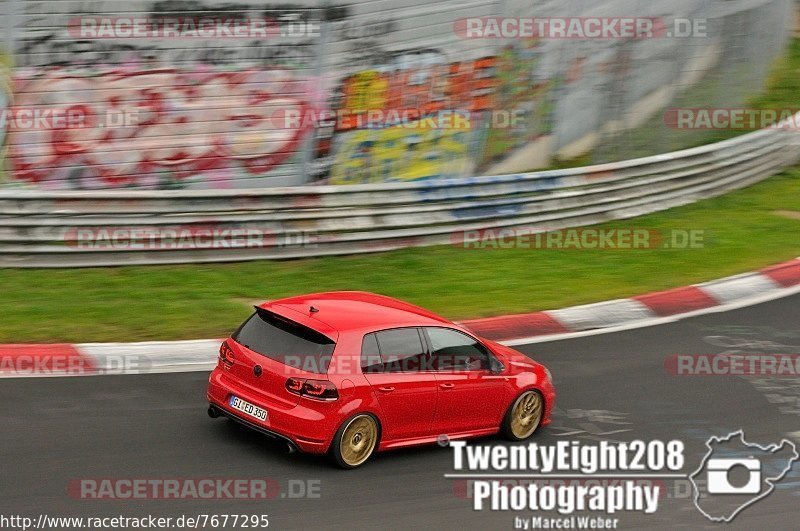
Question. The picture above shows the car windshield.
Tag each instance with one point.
(286, 341)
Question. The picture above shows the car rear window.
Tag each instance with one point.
(286, 341)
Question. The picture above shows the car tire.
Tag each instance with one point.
(355, 441)
(524, 416)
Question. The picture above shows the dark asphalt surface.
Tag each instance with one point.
(611, 386)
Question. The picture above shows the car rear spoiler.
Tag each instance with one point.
(310, 327)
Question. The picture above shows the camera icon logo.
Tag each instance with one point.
(719, 472)
(734, 474)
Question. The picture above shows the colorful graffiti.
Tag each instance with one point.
(422, 82)
(201, 114)
(381, 155)
(171, 127)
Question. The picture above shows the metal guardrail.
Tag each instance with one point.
(46, 229)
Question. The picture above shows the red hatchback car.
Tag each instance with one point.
(348, 373)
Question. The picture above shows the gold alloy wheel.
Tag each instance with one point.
(358, 440)
(526, 414)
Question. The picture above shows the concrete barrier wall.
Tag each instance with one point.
(210, 113)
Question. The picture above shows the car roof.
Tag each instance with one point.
(353, 310)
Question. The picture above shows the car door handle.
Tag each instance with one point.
(447, 385)
(385, 389)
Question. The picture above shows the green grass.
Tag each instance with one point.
(742, 232)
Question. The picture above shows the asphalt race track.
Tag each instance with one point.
(613, 386)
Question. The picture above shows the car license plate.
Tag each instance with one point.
(247, 407)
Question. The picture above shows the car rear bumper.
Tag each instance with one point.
(301, 427)
(215, 411)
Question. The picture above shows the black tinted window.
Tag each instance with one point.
(286, 341)
(401, 350)
(370, 355)
(453, 350)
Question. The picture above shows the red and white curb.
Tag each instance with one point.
(645, 310)
(92, 359)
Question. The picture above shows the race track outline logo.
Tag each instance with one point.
(723, 499)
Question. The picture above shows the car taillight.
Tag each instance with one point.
(295, 385)
(318, 389)
(226, 355)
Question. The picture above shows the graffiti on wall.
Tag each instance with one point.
(390, 154)
(154, 128)
(184, 111)
(204, 113)
(420, 83)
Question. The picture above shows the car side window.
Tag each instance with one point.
(370, 355)
(399, 350)
(454, 350)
